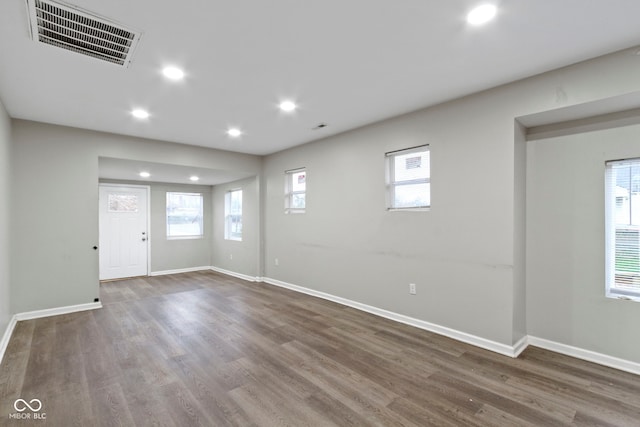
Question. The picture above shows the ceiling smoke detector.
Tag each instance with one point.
(76, 30)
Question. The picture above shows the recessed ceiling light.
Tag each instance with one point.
(140, 114)
(234, 132)
(145, 174)
(194, 178)
(173, 73)
(288, 106)
(481, 14)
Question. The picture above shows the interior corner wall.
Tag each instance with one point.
(5, 197)
(463, 254)
(519, 233)
(55, 205)
(566, 244)
(237, 256)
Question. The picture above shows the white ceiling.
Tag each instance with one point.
(346, 63)
(114, 169)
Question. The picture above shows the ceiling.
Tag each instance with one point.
(345, 63)
(116, 169)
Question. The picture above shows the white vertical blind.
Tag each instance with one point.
(622, 216)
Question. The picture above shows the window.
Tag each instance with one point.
(184, 215)
(122, 202)
(622, 216)
(408, 178)
(295, 191)
(233, 215)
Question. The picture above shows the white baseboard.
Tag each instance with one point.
(57, 311)
(520, 346)
(38, 314)
(504, 349)
(234, 274)
(7, 336)
(178, 270)
(588, 355)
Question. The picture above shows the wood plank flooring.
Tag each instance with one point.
(204, 349)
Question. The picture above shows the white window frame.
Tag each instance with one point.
(614, 289)
(229, 214)
(290, 193)
(392, 183)
(171, 236)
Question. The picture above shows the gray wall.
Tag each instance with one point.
(5, 198)
(55, 205)
(238, 256)
(173, 254)
(466, 254)
(565, 243)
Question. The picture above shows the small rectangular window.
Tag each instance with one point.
(622, 217)
(409, 178)
(295, 191)
(233, 215)
(184, 215)
(122, 202)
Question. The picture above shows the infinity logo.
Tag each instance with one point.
(21, 408)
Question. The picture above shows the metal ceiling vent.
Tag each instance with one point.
(76, 30)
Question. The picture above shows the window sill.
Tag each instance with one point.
(427, 209)
(623, 297)
(184, 237)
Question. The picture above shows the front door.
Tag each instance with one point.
(124, 236)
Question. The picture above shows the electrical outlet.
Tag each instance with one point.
(230, 256)
(276, 262)
(412, 288)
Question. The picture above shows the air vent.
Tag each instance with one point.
(76, 30)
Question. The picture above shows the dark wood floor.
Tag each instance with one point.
(206, 349)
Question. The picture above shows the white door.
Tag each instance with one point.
(124, 236)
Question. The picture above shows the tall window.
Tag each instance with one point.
(295, 190)
(409, 178)
(622, 213)
(184, 215)
(233, 215)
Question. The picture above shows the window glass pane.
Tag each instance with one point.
(298, 181)
(123, 202)
(298, 201)
(184, 214)
(412, 195)
(623, 195)
(411, 166)
(233, 215)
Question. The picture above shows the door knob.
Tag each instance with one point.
(144, 240)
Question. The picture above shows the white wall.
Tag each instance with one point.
(467, 253)
(566, 244)
(5, 203)
(238, 256)
(55, 205)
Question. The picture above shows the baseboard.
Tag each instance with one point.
(178, 270)
(507, 350)
(588, 355)
(57, 311)
(520, 346)
(234, 274)
(7, 336)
